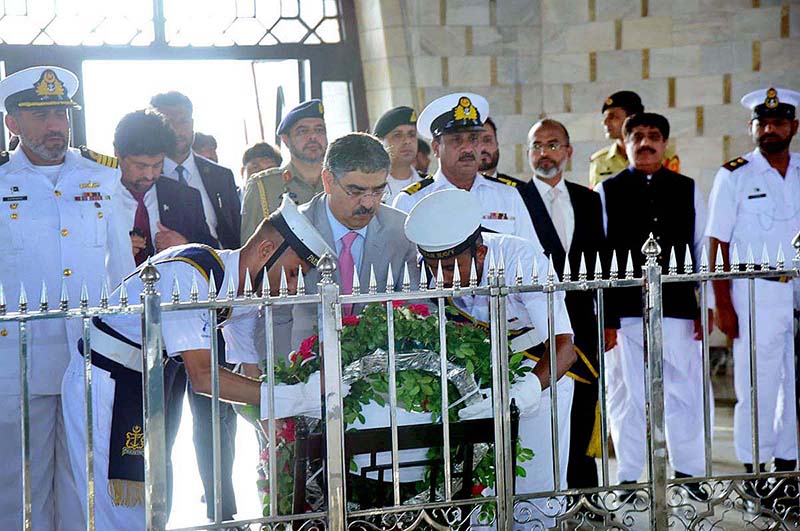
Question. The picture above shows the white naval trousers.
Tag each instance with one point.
(777, 419)
(683, 398)
(54, 499)
(108, 517)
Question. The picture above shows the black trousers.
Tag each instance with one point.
(175, 384)
(582, 469)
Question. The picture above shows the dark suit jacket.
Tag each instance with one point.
(221, 188)
(588, 239)
(180, 208)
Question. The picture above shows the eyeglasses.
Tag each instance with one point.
(308, 131)
(551, 147)
(375, 193)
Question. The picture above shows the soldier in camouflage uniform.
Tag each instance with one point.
(303, 131)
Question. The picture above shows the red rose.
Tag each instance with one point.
(397, 304)
(350, 320)
(477, 489)
(286, 432)
(308, 344)
(420, 310)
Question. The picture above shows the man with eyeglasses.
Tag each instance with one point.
(568, 219)
(365, 233)
(645, 199)
(304, 133)
(454, 123)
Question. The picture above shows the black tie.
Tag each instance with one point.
(180, 169)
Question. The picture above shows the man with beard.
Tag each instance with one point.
(221, 206)
(423, 160)
(397, 129)
(612, 159)
(755, 202)
(568, 219)
(304, 133)
(455, 123)
(490, 153)
(645, 199)
(59, 228)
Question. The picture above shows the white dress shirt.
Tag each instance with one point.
(129, 205)
(562, 202)
(192, 175)
(395, 186)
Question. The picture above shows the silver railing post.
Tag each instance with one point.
(155, 448)
(654, 365)
(331, 318)
(504, 475)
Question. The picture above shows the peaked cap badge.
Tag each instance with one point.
(465, 110)
(771, 101)
(49, 85)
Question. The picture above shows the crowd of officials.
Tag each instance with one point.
(78, 217)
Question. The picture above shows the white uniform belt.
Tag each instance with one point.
(116, 350)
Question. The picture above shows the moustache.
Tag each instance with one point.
(466, 156)
(363, 211)
(769, 136)
(313, 144)
(58, 136)
(645, 150)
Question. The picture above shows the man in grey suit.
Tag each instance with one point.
(350, 216)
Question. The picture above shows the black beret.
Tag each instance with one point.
(307, 109)
(392, 118)
(626, 99)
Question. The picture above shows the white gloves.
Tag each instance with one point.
(297, 399)
(527, 393)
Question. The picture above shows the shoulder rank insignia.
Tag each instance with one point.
(412, 189)
(508, 181)
(103, 160)
(4, 157)
(735, 163)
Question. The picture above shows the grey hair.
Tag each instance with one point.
(356, 152)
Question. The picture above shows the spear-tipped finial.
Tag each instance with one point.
(566, 275)
(688, 266)
(751, 261)
(582, 274)
(265, 287)
(248, 283)
(326, 266)
(473, 274)
(735, 257)
(780, 260)
(518, 274)
(492, 266)
(719, 264)
(23, 299)
(456, 276)
(673, 262)
(212, 287)
(283, 288)
(149, 276)
(535, 273)
(406, 278)
(123, 294)
(301, 282)
(598, 268)
(356, 284)
(63, 300)
(104, 295)
(2, 299)
(551, 270)
(614, 271)
(439, 276)
(84, 296)
(373, 282)
(423, 277)
(194, 290)
(176, 290)
(651, 249)
(629, 266)
(703, 259)
(43, 298)
(501, 264)
(231, 291)
(764, 257)
(389, 280)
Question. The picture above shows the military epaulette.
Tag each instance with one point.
(508, 181)
(103, 160)
(412, 189)
(599, 153)
(4, 157)
(735, 163)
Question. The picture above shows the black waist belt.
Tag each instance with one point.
(782, 279)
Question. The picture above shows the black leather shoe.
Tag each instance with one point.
(694, 489)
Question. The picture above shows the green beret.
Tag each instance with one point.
(307, 109)
(626, 99)
(392, 118)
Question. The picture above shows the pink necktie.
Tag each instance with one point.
(346, 267)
